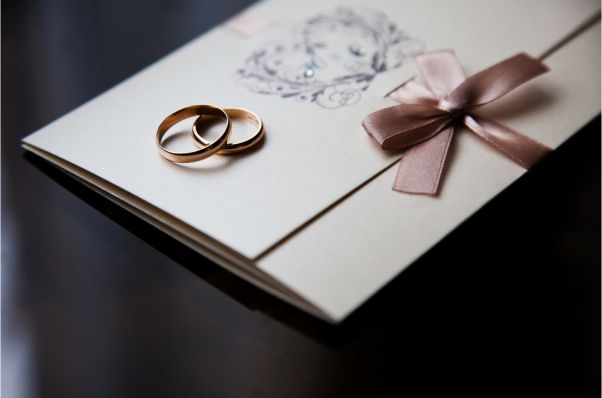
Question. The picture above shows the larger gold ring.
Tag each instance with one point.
(233, 147)
(199, 154)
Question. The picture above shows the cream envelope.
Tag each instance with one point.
(300, 217)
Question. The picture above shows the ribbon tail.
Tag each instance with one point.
(414, 91)
(523, 150)
(421, 166)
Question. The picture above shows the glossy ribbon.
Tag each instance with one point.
(439, 98)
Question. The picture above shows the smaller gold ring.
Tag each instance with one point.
(209, 149)
(234, 147)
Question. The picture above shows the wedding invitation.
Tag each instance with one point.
(310, 216)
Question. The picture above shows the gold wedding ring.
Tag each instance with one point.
(232, 147)
(208, 149)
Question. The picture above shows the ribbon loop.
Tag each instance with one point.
(404, 125)
(495, 81)
(441, 71)
(431, 105)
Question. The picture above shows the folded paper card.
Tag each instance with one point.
(302, 216)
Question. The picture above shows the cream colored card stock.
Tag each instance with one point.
(282, 217)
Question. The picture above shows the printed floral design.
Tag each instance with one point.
(331, 59)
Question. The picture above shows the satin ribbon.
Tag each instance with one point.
(441, 97)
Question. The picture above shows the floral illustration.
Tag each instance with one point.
(331, 59)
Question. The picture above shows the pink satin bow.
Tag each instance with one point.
(437, 99)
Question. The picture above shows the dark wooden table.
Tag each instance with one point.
(96, 303)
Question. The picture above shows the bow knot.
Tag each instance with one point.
(438, 98)
(445, 105)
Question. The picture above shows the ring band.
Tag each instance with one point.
(208, 149)
(234, 147)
